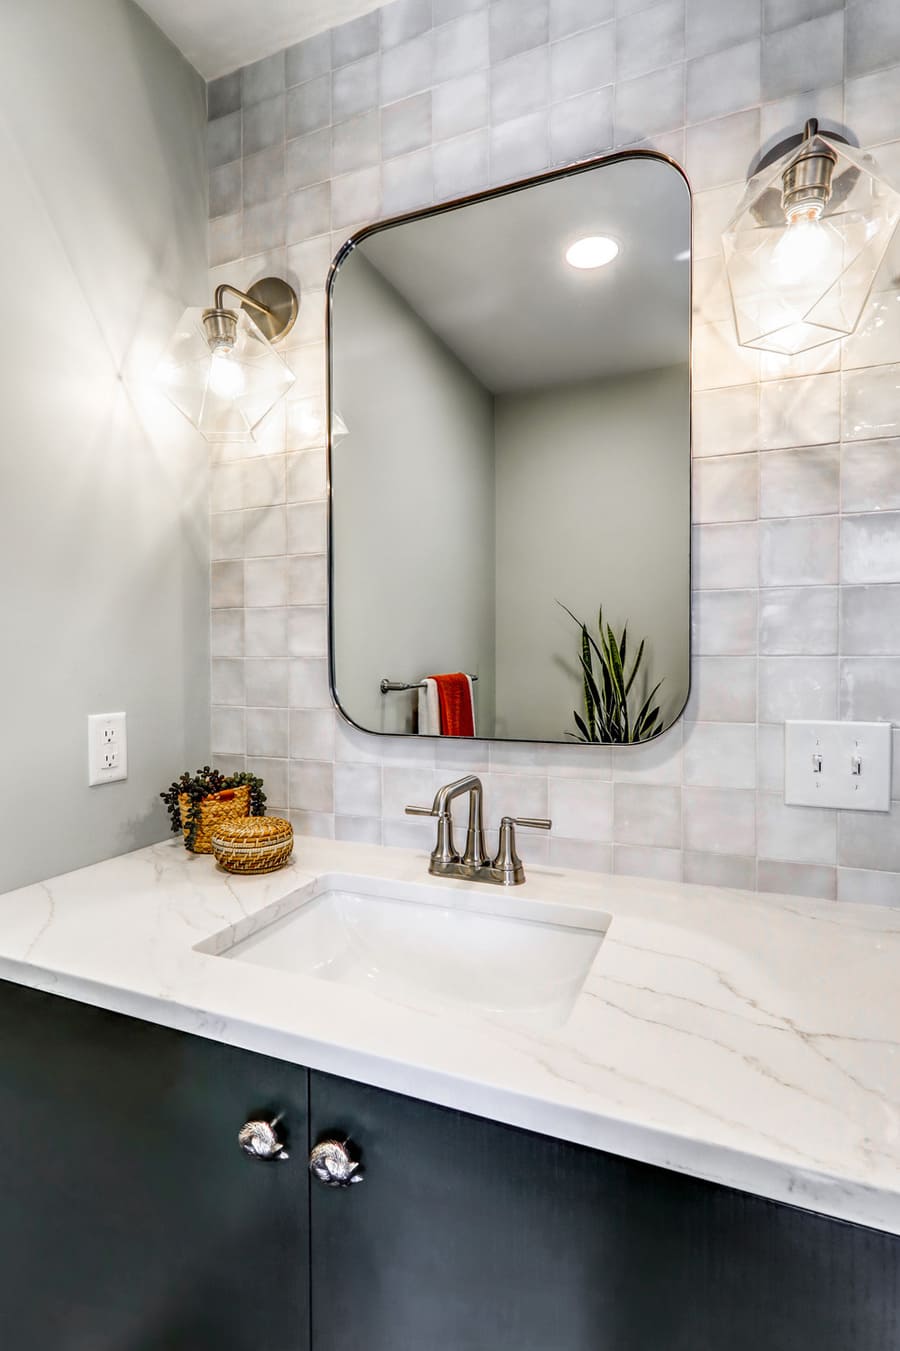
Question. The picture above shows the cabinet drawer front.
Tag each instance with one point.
(470, 1236)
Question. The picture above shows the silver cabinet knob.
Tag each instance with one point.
(330, 1163)
(260, 1140)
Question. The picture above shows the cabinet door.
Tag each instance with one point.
(129, 1218)
(470, 1236)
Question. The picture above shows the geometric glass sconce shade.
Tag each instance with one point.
(220, 368)
(803, 248)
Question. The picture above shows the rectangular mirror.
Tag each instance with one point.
(509, 459)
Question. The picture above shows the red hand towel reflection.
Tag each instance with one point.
(455, 700)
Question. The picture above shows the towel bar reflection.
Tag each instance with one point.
(392, 686)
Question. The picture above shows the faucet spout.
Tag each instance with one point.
(475, 853)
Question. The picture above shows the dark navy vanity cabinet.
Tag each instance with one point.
(131, 1221)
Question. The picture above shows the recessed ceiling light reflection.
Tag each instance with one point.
(595, 251)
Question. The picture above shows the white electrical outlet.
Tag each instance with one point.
(107, 748)
(838, 764)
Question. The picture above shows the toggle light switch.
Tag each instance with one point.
(838, 764)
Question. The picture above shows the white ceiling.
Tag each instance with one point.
(217, 36)
(465, 272)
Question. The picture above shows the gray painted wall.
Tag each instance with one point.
(593, 507)
(413, 481)
(103, 537)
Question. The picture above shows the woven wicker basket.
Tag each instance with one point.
(232, 804)
(261, 844)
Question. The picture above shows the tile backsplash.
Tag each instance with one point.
(797, 463)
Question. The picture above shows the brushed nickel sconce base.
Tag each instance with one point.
(280, 307)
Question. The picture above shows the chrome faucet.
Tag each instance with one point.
(506, 870)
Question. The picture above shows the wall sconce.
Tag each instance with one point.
(220, 369)
(806, 242)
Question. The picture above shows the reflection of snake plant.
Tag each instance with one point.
(607, 716)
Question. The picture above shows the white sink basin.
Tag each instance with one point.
(519, 960)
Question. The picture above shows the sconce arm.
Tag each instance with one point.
(274, 301)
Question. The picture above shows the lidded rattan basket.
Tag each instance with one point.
(259, 844)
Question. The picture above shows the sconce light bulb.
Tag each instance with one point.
(804, 247)
(226, 378)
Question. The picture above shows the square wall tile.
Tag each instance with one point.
(870, 621)
(797, 879)
(870, 476)
(719, 755)
(723, 689)
(406, 125)
(308, 107)
(726, 556)
(870, 689)
(649, 104)
(725, 622)
(800, 482)
(461, 105)
(870, 548)
(871, 403)
(572, 16)
(650, 39)
(646, 814)
(581, 127)
(723, 82)
(799, 552)
(870, 839)
(806, 56)
(584, 62)
(517, 25)
(873, 35)
(354, 89)
(726, 488)
(309, 59)
(799, 412)
(713, 25)
(725, 421)
(631, 860)
(404, 19)
(798, 687)
(719, 820)
(795, 620)
(720, 870)
(800, 834)
(581, 808)
(356, 39)
(223, 96)
(520, 85)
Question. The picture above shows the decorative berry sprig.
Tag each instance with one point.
(197, 787)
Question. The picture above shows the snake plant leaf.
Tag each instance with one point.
(607, 686)
(634, 670)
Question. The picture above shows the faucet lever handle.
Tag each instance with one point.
(444, 851)
(507, 866)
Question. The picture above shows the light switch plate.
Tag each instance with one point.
(107, 748)
(838, 764)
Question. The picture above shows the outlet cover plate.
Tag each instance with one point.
(819, 762)
(107, 748)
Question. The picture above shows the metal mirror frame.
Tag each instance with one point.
(441, 209)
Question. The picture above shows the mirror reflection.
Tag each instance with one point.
(510, 462)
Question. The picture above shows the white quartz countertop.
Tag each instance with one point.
(750, 1041)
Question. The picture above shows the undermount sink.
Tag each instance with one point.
(520, 960)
